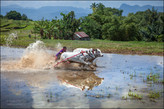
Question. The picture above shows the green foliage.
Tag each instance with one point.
(151, 25)
(68, 25)
(124, 97)
(135, 95)
(104, 23)
(153, 77)
(108, 23)
(2, 39)
(93, 7)
(58, 28)
(39, 27)
(13, 15)
(24, 17)
(9, 25)
(1, 16)
(105, 46)
(154, 95)
(91, 27)
(110, 30)
(160, 38)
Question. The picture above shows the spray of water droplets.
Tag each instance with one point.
(9, 40)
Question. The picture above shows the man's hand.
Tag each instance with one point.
(61, 52)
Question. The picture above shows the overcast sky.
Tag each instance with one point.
(80, 4)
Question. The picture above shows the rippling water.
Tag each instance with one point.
(114, 77)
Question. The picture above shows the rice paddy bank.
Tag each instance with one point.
(118, 47)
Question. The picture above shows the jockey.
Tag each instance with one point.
(57, 57)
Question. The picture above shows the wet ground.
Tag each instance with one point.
(119, 81)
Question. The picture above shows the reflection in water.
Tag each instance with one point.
(34, 78)
(42, 78)
(80, 79)
(44, 89)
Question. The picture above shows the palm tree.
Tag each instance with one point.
(39, 27)
(93, 7)
(49, 28)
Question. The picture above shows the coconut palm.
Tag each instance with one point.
(93, 7)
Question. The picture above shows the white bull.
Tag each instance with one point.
(82, 58)
(95, 52)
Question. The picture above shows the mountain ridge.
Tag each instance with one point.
(50, 12)
(135, 8)
(46, 11)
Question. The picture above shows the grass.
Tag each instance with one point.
(106, 46)
(154, 95)
(98, 95)
(162, 81)
(16, 25)
(132, 75)
(153, 77)
(135, 95)
(128, 47)
(124, 97)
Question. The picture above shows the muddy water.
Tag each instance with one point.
(115, 76)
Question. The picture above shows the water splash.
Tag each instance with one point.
(36, 46)
(35, 56)
(58, 46)
(9, 40)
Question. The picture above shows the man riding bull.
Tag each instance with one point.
(57, 56)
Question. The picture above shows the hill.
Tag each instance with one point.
(48, 12)
(133, 9)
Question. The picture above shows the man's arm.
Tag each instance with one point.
(61, 51)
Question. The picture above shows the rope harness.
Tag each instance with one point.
(82, 52)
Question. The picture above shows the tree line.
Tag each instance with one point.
(15, 16)
(58, 28)
(108, 23)
(105, 23)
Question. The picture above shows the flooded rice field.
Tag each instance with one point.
(119, 81)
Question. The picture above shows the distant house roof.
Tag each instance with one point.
(81, 34)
